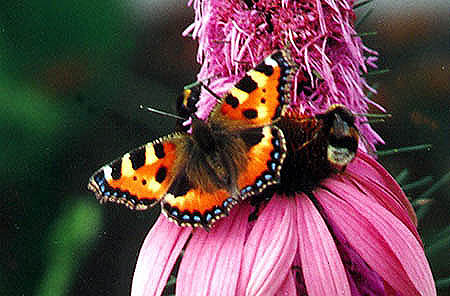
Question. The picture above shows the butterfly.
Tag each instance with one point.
(198, 177)
(317, 145)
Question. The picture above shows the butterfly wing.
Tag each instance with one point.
(140, 178)
(265, 160)
(189, 206)
(260, 97)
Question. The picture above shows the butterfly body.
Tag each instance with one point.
(215, 157)
(198, 177)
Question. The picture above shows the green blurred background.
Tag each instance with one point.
(72, 76)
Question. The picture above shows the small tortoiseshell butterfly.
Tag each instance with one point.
(317, 146)
(198, 177)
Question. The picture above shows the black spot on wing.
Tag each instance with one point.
(250, 113)
(137, 158)
(232, 101)
(159, 150)
(161, 174)
(116, 167)
(265, 69)
(247, 84)
(252, 137)
(180, 185)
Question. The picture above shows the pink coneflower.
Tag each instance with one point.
(354, 234)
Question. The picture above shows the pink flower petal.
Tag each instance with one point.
(270, 249)
(211, 262)
(322, 266)
(381, 239)
(364, 165)
(158, 254)
(381, 195)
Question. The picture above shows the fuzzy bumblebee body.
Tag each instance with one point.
(317, 146)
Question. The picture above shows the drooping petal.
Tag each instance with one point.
(158, 254)
(322, 267)
(270, 249)
(365, 165)
(380, 238)
(211, 262)
(383, 196)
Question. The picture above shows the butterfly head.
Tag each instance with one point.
(186, 103)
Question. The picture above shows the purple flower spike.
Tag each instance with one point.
(235, 35)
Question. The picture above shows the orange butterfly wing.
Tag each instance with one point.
(141, 177)
(265, 162)
(260, 97)
(189, 206)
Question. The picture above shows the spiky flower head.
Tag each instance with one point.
(235, 35)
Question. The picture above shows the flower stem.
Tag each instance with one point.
(404, 149)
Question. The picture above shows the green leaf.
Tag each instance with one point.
(419, 183)
(402, 176)
(443, 283)
(422, 211)
(437, 185)
(439, 243)
(68, 243)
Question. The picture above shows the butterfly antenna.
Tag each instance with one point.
(150, 109)
(202, 84)
(211, 92)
